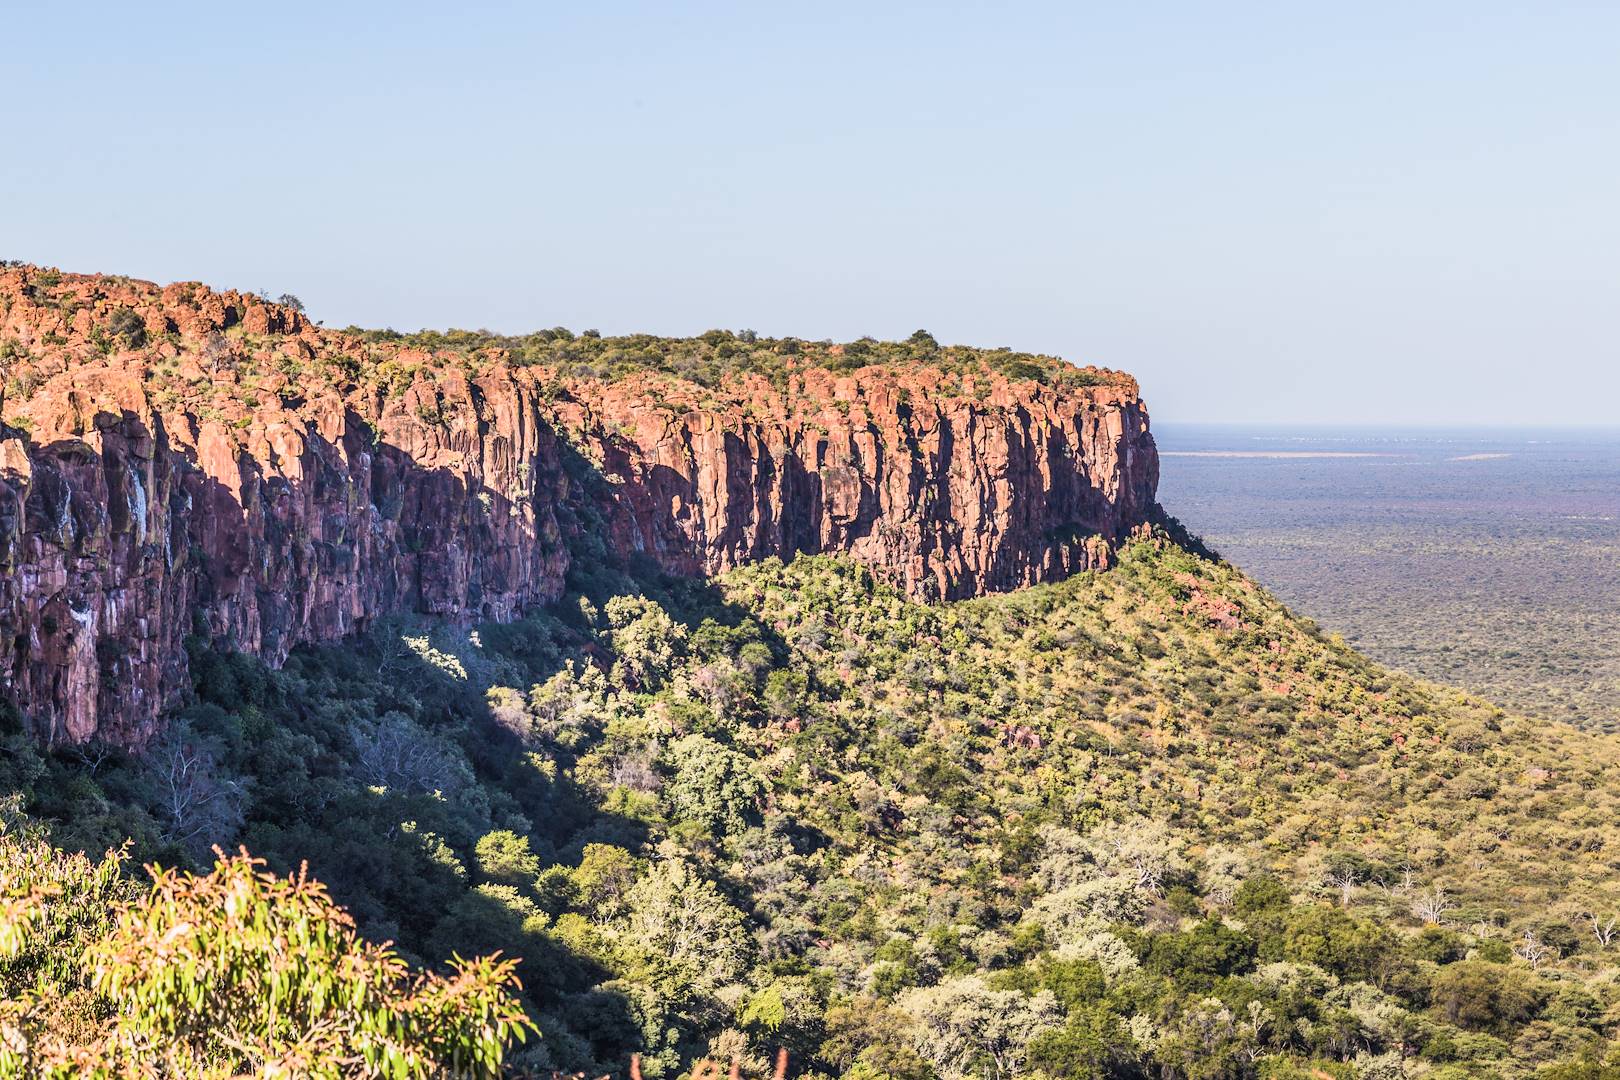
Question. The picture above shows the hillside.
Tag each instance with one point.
(795, 806)
(1136, 820)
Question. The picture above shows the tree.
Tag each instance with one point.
(872, 1034)
(1088, 907)
(1211, 948)
(1145, 850)
(217, 354)
(1223, 873)
(711, 785)
(604, 877)
(1142, 851)
(504, 857)
(1604, 927)
(1205, 1040)
(508, 708)
(1259, 895)
(1334, 941)
(1110, 875)
(644, 639)
(1485, 996)
(1093, 1045)
(562, 707)
(126, 325)
(492, 919)
(685, 927)
(1532, 950)
(51, 904)
(198, 804)
(398, 754)
(785, 691)
(1342, 872)
(1432, 905)
(968, 1030)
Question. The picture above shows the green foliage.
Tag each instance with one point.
(1085, 829)
(871, 1038)
(967, 1029)
(710, 359)
(208, 976)
(1334, 941)
(51, 902)
(212, 374)
(1093, 1045)
(504, 857)
(126, 327)
(1197, 955)
(604, 877)
(711, 786)
(684, 929)
(765, 1009)
(271, 968)
(1483, 996)
(1258, 894)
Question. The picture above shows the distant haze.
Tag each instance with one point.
(1376, 212)
(1480, 558)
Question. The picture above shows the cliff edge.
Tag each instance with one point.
(177, 462)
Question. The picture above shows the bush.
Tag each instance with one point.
(1334, 941)
(234, 971)
(128, 327)
(1484, 996)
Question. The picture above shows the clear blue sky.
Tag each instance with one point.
(1292, 211)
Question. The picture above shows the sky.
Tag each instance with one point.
(1294, 212)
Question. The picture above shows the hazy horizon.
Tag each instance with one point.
(1598, 431)
(1265, 213)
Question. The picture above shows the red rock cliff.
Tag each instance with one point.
(181, 462)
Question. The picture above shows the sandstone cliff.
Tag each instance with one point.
(181, 462)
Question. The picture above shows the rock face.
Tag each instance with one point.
(948, 496)
(123, 531)
(187, 464)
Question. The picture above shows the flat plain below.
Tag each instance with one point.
(1487, 559)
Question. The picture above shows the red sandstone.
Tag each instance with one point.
(265, 513)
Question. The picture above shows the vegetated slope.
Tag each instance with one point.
(183, 462)
(1139, 822)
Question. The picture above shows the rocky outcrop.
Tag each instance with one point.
(184, 464)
